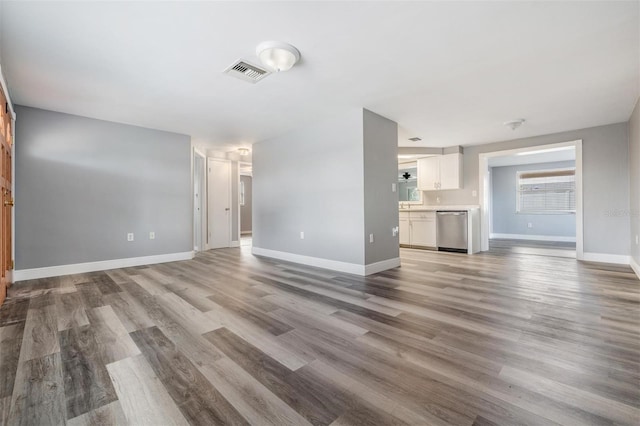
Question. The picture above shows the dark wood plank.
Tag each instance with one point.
(86, 381)
(320, 406)
(199, 401)
(10, 345)
(38, 396)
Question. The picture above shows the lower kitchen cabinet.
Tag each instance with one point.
(418, 229)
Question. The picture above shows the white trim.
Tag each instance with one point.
(532, 237)
(334, 265)
(234, 244)
(103, 265)
(635, 266)
(484, 191)
(620, 259)
(383, 265)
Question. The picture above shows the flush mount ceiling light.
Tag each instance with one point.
(277, 55)
(514, 124)
(243, 151)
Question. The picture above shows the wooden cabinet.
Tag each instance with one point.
(418, 229)
(440, 172)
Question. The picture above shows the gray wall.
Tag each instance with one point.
(245, 211)
(380, 171)
(605, 152)
(83, 184)
(507, 221)
(634, 180)
(311, 180)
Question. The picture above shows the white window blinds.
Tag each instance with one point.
(547, 191)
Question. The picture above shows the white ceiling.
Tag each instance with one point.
(449, 72)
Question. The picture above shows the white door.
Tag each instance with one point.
(219, 223)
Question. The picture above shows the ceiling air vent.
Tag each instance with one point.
(246, 71)
(415, 139)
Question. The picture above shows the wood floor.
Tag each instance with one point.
(228, 338)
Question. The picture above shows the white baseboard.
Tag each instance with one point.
(334, 265)
(383, 265)
(103, 265)
(234, 244)
(620, 259)
(533, 237)
(635, 266)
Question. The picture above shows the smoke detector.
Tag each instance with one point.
(246, 71)
(514, 124)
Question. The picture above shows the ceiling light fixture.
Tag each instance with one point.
(514, 124)
(277, 55)
(243, 151)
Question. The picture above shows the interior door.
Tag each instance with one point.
(219, 206)
(6, 208)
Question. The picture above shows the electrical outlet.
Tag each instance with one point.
(130, 236)
(529, 225)
(394, 231)
(474, 193)
(152, 235)
(438, 200)
(370, 238)
(302, 235)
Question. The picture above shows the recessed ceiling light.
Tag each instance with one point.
(277, 55)
(514, 124)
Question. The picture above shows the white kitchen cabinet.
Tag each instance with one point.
(405, 231)
(440, 172)
(418, 229)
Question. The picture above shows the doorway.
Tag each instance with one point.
(563, 207)
(199, 191)
(246, 204)
(219, 203)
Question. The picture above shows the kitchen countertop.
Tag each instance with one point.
(423, 208)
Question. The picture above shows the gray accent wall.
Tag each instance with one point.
(605, 152)
(245, 211)
(313, 180)
(634, 181)
(507, 221)
(380, 203)
(82, 184)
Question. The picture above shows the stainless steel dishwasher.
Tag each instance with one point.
(451, 231)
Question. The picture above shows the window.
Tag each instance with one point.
(546, 191)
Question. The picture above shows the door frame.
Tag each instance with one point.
(228, 162)
(203, 199)
(484, 180)
(240, 174)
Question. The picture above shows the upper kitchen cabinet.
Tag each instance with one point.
(440, 172)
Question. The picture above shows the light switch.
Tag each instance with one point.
(393, 187)
(302, 235)
(474, 193)
(370, 238)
